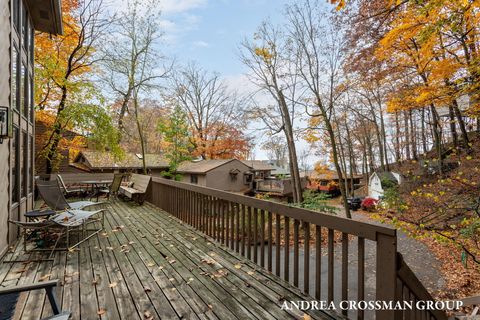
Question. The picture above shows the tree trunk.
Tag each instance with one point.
(461, 124)
(424, 136)
(437, 137)
(288, 130)
(56, 134)
(407, 134)
(453, 129)
(397, 139)
(413, 135)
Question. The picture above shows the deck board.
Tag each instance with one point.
(148, 263)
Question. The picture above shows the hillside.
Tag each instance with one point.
(443, 210)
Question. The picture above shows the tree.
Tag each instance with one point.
(276, 148)
(131, 61)
(319, 54)
(214, 113)
(267, 59)
(63, 68)
(176, 140)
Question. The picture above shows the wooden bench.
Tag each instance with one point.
(136, 188)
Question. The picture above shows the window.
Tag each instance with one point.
(25, 93)
(24, 165)
(15, 165)
(30, 163)
(194, 178)
(31, 98)
(15, 13)
(31, 45)
(15, 88)
(23, 13)
(21, 86)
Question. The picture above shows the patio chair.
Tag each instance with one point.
(114, 187)
(49, 287)
(68, 192)
(64, 223)
(53, 196)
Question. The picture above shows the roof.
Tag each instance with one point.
(202, 166)
(386, 178)
(326, 175)
(258, 165)
(106, 160)
(46, 15)
(280, 171)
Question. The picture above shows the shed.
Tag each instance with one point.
(228, 175)
(381, 181)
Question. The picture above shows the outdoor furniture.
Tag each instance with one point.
(95, 186)
(67, 191)
(114, 186)
(63, 223)
(49, 287)
(38, 214)
(473, 302)
(137, 187)
(53, 196)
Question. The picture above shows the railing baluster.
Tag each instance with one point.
(318, 261)
(344, 270)
(224, 209)
(306, 258)
(269, 230)
(262, 238)
(255, 235)
(330, 265)
(277, 244)
(249, 234)
(243, 230)
(227, 223)
(361, 275)
(232, 226)
(296, 248)
(237, 228)
(286, 266)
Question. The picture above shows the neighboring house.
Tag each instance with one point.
(380, 181)
(228, 175)
(328, 182)
(259, 168)
(41, 136)
(101, 161)
(19, 20)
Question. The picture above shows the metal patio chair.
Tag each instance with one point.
(68, 191)
(63, 223)
(49, 287)
(53, 196)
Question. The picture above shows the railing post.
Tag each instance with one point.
(386, 273)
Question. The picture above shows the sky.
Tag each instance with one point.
(209, 32)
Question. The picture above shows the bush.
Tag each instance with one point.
(392, 200)
(369, 204)
(316, 201)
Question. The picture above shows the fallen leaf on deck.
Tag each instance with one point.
(131, 242)
(306, 317)
(45, 277)
(150, 264)
(251, 273)
(101, 312)
(147, 289)
(147, 315)
(94, 282)
(160, 267)
(210, 306)
(238, 266)
(172, 261)
(110, 248)
(171, 279)
(112, 285)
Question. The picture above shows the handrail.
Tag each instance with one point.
(252, 227)
(358, 228)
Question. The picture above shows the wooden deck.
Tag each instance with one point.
(149, 265)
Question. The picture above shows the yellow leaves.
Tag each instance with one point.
(265, 54)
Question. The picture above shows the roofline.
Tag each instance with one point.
(205, 172)
(52, 24)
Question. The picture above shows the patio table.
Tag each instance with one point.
(94, 185)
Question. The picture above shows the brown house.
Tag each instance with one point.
(19, 20)
(228, 175)
(101, 161)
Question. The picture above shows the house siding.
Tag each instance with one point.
(375, 187)
(4, 101)
(219, 178)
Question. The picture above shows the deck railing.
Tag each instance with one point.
(255, 229)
